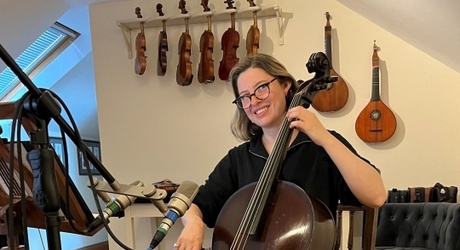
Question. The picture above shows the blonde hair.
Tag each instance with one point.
(242, 128)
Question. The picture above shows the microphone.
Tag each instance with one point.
(120, 203)
(179, 203)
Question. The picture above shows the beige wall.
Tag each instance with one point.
(151, 128)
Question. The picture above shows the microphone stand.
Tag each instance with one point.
(43, 107)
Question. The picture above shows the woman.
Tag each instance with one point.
(319, 161)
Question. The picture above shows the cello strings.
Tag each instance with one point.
(262, 189)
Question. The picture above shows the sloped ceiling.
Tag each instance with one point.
(429, 25)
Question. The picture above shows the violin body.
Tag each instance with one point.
(141, 59)
(162, 49)
(309, 224)
(206, 66)
(230, 43)
(252, 40)
(184, 74)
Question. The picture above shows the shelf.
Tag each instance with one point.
(262, 12)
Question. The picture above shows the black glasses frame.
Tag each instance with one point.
(238, 101)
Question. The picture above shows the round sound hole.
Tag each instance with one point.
(375, 115)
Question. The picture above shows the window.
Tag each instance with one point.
(53, 41)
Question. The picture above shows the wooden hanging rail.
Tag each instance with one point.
(132, 24)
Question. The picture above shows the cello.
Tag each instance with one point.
(162, 45)
(276, 214)
(230, 43)
(335, 98)
(253, 36)
(206, 66)
(184, 74)
(141, 59)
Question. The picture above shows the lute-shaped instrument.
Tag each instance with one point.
(376, 122)
(335, 98)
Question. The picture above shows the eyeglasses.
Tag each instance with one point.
(261, 93)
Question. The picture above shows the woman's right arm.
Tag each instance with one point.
(192, 235)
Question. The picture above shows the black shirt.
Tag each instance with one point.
(306, 164)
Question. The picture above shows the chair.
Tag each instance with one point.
(369, 226)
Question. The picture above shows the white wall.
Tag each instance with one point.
(151, 128)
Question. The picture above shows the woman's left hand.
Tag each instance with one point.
(307, 122)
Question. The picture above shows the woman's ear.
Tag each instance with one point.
(287, 86)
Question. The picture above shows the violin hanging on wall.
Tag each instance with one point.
(253, 36)
(206, 66)
(230, 43)
(141, 59)
(162, 45)
(184, 74)
(376, 122)
(335, 98)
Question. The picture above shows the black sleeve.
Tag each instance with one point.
(219, 186)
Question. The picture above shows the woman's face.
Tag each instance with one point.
(267, 113)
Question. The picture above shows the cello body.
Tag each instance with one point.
(290, 221)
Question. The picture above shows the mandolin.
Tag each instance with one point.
(230, 43)
(206, 66)
(376, 122)
(184, 74)
(335, 98)
(276, 214)
(141, 59)
(162, 45)
(253, 36)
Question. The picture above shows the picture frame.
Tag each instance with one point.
(58, 147)
(95, 148)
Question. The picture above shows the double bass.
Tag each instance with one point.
(276, 214)
(184, 74)
(141, 59)
(162, 45)
(335, 98)
(230, 43)
(206, 66)
(253, 36)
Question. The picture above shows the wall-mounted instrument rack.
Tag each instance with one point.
(133, 24)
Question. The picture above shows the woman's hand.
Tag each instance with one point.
(306, 121)
(192, 236)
